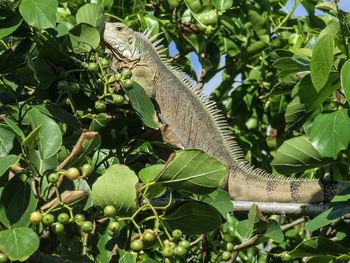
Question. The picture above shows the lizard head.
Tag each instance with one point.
(121, 41)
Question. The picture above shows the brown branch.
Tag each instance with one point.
(293, 224)
(246, 244)
(77, 150)
(202, 79)
(66, 197)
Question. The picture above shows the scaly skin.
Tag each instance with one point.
(197, 124)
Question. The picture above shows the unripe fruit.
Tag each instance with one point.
(168, 252)
(177, 233)
(63, 85)
(63, 218)
(229, 246)
(104, 62)
(126, 73)
(86, 169)
(53, 178)
(100, 106)
(171, 244)
(180, 251)
(226, 255)
(72, 173)
(74, 88)
(136, 245)
(114, 229)
(149, 235)
(184, 243)
(92, 66)
(109, 210)
(35, 217)
(79, 218)
(57, 228)
(118, 99)
(86, 226)
(128, 83)
(48, 219)
(3, 258)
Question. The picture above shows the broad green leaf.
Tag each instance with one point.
(222, 4)
(322, 62)
(338, 207)
(9, 24)
(193, 171)
(220, 199)
(295, 114)
(296, 155)
(50, 137)
(6, 139)
(149, 174)
(125, 257)
(91, 14)
(311, 97)
(317, 246)
(142, 105)
(229, 46)
(32, 139)
(83, 38)
(345, 79)
(16, 203)
(19, 243)
(321, 259)
(7, 161)
(274, 231)
(245, 228)
(259, 24)
(39, 13)
(193, 218)
(118, 187)
(202, 11)
(330, 133)
(42, 165)
(13, 125)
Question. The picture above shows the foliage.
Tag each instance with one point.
(285, 90)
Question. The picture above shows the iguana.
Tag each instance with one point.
(197, 123)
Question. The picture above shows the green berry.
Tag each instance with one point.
(86, 169)
(226, 255)
(149, 235)
(184, 243)
(118, 99)
(114, 229)
(128, 83)
(109, 210)
(136, 245)
(72, 173)
(53, 178)
(63, 218)
(79, 218)
(74, 88)
(63, 85)
(118, 76)
(48, 219)
(92, 66)
(126, 73)
(229, 246)
(86, 226)
(171, 245)
(35, 217)
(177, 233)
(58, 228)
(3, 258)
(104, 62)
(100, 106)
(168, 252)
(180, 251)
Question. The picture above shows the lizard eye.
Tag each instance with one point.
(119, 28)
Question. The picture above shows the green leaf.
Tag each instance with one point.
(32, 139)
(220, 199)
(19, 243)
(142, 105)
(83, 38)
(322, 61)
(317, 246)
(16, 203)
(91, 14)
(6, 140)
(338, 207)
(9, 24)
(149, 174)
(345, 79)
(39, 13)
(259, 23)
(229, 46)
(117, 187)
(311, 97)
(193, 218)
(193, 171)
(14, 127)
(50, 135)
(274, 231)
(330, 133)
(126, 257)
(295, 114)
(296, 155)
(7, 161)
(222, 4)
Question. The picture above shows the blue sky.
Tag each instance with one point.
(214, 82)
